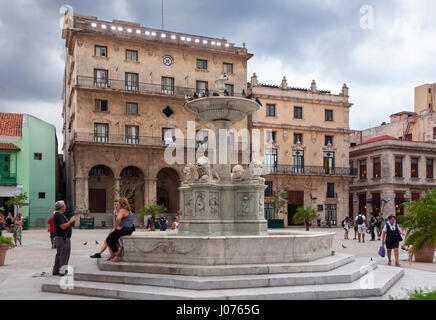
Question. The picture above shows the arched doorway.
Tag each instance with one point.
(100, 186)
(132, 187)
(167, 192)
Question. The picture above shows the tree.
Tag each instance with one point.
(279, 201)
(154, 210)
(304, 215)
(17, 200)
(128, 190)
(420, 222)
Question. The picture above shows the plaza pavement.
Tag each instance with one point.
(19, 277)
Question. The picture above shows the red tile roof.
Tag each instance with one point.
(380, 138)
(10, 124)
(8, 146)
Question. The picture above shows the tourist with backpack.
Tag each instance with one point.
(346, 226)
(360, 221)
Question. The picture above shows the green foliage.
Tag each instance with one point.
(417, 294)
(21, 198)
(279, 201)
(420, 222)
(304, 215)
(8, 241)
(152, 209)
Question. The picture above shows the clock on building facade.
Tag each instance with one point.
(167, 60)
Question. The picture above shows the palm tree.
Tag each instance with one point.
(304, 215)
(154, 210)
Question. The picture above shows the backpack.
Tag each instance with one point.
(359, 219)
(343, 223)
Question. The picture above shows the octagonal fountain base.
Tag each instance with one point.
(276, 247)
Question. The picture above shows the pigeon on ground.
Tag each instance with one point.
(371, 259)
(344, 247)
(96, 242)
(85, 243)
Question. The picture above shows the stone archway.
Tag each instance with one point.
(100, 186)
(131, 186)
(167, 191)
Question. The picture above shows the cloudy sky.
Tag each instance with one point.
(301, 39)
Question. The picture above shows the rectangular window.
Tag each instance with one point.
(328, 115)
(131, 108)
(132, 134)
(270, 136)
(376, 165)
(298, 161)
(228, 68)
(101, 78)
(41, 195)
(132, 81)
(271, 160)
(201, 64)
(429, 169)
(329, 163)
(131, 55)
(298, 137)
(271, 110)
(101, 132)
(230, 89)
(415, 196)
(100, 105)
(434, 133)
(201, 86)
(100, 51)
(202, 138)
(167, 85)
(328, 140)
(331, 214)
(37, 156)
(399, 200)
(330, 190)
(376, 203)
(362, 169)
(168, 136)
(269, 189)
(298, 112)
(414, 167)
(398, 167)
(269, 211)
(362, 204)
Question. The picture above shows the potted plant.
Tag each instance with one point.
(304, 215)
(5, 244)
(279, 203)
(153, 210)
(420, 226)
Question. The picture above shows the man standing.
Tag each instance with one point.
(51, 229)
(318, 220)
(63, 231)
(361, 226)
(372, 223)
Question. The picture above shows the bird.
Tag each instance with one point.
(226, 93)
(215, 94)
(85, 243)
(195, 95)
(258, 101)
(404, 248)
(250, 96)
(96, 242)
(206, 93)
(344, 247)
(371, 259)
(243, 93)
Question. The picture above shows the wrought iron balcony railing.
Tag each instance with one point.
(309, 170)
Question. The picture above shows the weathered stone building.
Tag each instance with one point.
(124, 91)
(306, 134)
(395, 161)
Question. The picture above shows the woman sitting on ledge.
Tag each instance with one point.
(123, 227)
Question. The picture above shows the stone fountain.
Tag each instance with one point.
(223, 244)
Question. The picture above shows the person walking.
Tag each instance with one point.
(18, 228)
(391, 237)
(379, 225)
(9, 222)
(346, 226)
(123, 226)
(318, 220)
(372, 222)
(361, 227)
(105, 246)
(52, 231)
(63, 232)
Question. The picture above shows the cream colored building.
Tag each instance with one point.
(307, 146)
(124, 91)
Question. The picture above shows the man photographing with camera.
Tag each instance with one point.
(63, 231)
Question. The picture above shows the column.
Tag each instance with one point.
(117, 188)
(150, 191)
(82, 193)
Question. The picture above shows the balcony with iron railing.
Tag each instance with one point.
(309, 171)
(142, 87)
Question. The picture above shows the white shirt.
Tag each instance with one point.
(391, 226)
(363, 217)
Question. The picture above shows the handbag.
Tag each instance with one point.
(381, 251)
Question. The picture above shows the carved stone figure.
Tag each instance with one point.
(237, 173)
(199, 203)
(190, 173)
(203, 169)
(214, 203)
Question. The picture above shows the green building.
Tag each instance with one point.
(28, 161)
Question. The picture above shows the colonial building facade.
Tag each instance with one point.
(306, 134)
(124, 90)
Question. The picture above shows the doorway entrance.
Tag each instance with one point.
(97, 200)
(295, 200)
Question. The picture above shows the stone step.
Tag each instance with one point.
(344, 274)
(320, 265)
(375, 283)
